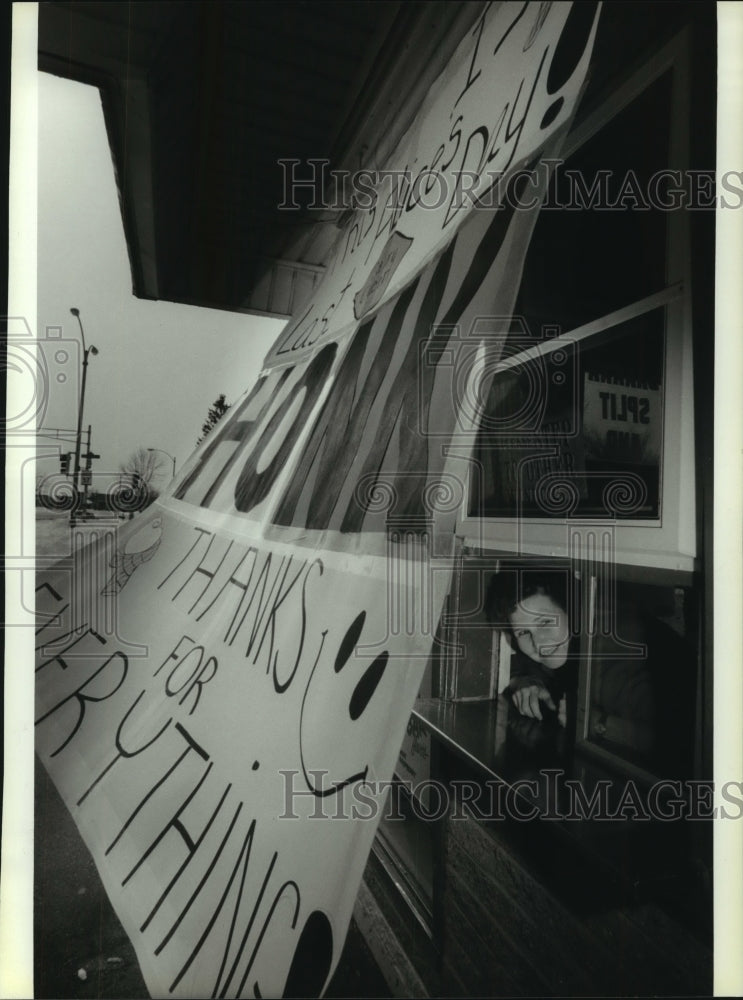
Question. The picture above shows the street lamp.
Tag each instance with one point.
(78, 440)
(171, 457)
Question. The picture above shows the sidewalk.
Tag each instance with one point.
(80, 948)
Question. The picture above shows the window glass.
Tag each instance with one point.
(585, 262)
(642, 679)
(578, 431)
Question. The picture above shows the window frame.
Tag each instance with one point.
(669, 542)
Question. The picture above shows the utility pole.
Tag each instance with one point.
(87, 474)
(78, 439)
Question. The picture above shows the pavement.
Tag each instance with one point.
(80, 948)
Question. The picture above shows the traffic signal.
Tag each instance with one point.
(64, 463)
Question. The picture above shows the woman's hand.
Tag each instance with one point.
(530, 698)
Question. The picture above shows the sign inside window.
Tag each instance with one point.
(577, 431)
(622, 420)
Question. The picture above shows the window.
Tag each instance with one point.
(584, 453)
(615, 647)
(600, 240)
(577, 431)
(587, 415)
(639, 685)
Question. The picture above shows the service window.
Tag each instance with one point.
(615, 647)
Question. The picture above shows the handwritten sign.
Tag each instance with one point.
(510, 87)
(622, 420)
(212, 775)
(224, 711)
(379, 278)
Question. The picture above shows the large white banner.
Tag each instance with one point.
(222, 691)
(510, 87)
(211, 745)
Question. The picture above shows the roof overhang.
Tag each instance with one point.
(202, 101)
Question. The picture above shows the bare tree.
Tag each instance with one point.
(139, 470)
(143, 463)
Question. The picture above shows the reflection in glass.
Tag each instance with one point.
(641, 699)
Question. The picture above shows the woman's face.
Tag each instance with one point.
(540, 628)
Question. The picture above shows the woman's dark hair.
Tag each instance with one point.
(510, 587)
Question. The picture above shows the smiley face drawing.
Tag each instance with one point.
(339, 715)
